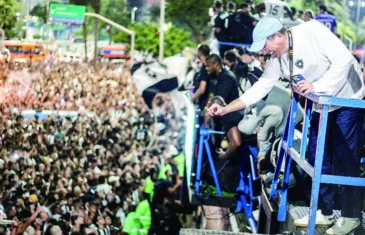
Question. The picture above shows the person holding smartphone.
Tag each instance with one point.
(327, 67)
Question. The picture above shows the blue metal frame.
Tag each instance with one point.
(244, 190)
(203, 143)
(290, 153)
(232, 44)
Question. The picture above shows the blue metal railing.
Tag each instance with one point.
(233, 44)
(245, 188)
(290, 153)
(245, 195)
(204, 144)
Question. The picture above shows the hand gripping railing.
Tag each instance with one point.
(288, 153)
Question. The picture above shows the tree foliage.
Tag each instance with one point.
(147, 39)
(361, 32)
(8, 9)
(116, 11)
(41, 11)
(193, 14)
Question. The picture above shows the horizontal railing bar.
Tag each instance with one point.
(333, 101)
(234, 44)
(343, 180)
(302, 163)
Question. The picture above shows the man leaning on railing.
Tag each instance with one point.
(311, 50)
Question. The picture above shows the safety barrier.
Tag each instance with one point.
(289, 153)
(233, 44)
(245, 196)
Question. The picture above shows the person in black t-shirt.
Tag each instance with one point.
(231, 8)
(200, 93)
(168, 222)
(232, 22)
(227, 157)
(230, 59)
(237, 66)
(246, 74)
(221, 22)
(230, 126)
(247, 23)
(222, 81)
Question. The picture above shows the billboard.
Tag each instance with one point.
(67, 13)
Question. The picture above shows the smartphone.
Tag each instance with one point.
(297, 78)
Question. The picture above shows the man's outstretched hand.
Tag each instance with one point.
(216, 110)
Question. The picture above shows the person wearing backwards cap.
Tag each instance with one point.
(329, 68)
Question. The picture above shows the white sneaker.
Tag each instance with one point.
(321, 220)
(344, 226)
(255, 214)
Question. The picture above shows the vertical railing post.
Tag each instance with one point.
(200, 160)
(316, 180)
(288, 159)
(308, 111)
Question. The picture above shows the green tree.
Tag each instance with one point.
(154, 13)
(8, 9)
(147, 39)
(41, 11)
(37, 36)
(193, 14)
(114, 11)
(361, 32)
(111, 9)
(96, 5)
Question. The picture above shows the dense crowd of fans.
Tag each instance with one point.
(89, 173)
(226, 74)
(235, 23)
(115, 167)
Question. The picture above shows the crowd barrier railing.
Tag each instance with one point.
(289, 153)
(245, 197)
(233, 44)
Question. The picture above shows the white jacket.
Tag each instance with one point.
(321, 58)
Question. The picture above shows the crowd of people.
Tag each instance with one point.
(243, 96)
(235, 24)
(93, 172)
(222, 80)
(113, 166)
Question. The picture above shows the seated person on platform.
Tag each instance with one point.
(222, 82)
(269, 117)
(246, 74)
(228, 157)
(248, 57)
(229, 124)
